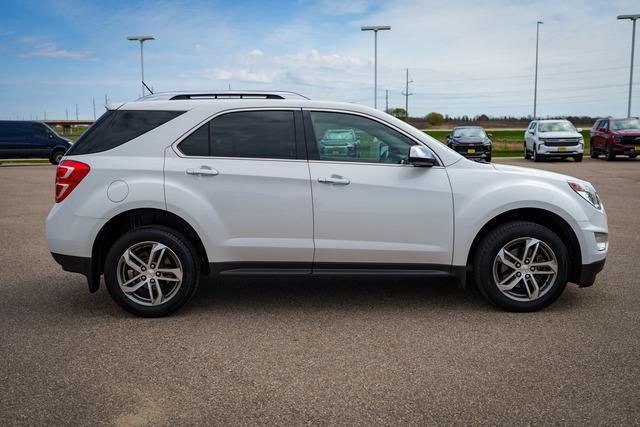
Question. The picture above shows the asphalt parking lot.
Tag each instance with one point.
(317, 351)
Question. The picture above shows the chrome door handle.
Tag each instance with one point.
(202, 171)
(335, 180)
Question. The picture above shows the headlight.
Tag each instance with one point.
(487, 142)
(587, 192)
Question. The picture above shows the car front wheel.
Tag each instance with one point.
(521, 266)
(151, 271)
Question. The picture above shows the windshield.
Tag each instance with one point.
(562, 126)
(469, 133)
(339, 134)
(624, 124)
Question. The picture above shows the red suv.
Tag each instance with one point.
(611, 137)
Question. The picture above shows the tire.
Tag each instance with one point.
(536, 157)
(180, 271)
(527, 156)
(488, 158)
(56, 157)
(608, 154)
(578, 158)
(594, 152)
(633, 156)
(522, 297)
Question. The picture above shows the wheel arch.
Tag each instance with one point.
(543, 217)
(135, 218)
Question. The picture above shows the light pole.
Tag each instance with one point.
(141, 39)
(634, 18)
(535, 84)
(375, 29)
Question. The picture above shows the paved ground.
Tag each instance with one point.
(316, 351)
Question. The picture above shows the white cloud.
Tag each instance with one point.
(50, 50)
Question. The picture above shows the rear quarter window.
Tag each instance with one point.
(116, 127)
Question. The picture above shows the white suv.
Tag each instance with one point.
(553, 138)
(166, 189)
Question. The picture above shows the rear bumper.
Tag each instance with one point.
(588, 273)
(82, 265)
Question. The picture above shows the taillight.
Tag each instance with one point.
(68, 176)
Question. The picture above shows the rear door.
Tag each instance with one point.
(243, 178)
(372, 210)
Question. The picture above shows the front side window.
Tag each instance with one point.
(252, 134)
(115, 127)
(40, 131)
(352, 138)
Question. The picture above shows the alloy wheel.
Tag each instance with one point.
(525, 269)
(149, 273)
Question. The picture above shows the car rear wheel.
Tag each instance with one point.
(609, 154)
(56, 157)
(521, 266)
(151, 271)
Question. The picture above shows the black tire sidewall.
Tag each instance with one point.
(173, 240)
(495, 240)
(53, 156)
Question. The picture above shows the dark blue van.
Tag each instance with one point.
(30, 140)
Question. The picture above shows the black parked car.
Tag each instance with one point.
(471, 141)
(29, 140)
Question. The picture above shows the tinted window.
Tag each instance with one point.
(39, 131)
(197, 144)
(115, 127)
(369, 141)
(256, 134)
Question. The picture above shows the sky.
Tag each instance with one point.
(464, 57)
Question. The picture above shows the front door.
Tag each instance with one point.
(243, 178)
(371, 208)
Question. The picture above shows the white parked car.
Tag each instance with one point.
(553, 138)
(171, 187)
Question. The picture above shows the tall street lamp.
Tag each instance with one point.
(375, 29)
(535, 84)
(634, 18)
(141, 39)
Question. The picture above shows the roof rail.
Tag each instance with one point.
(221, 94)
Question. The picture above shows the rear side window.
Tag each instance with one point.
(255, 134)
(115, 127)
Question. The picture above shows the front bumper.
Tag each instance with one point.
(588, 273)
(561, 151)
(472, 151)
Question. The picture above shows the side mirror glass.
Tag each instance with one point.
(420, 155)
(50, 135)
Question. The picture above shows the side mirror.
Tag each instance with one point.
(490, 135)
(531, 131)
(579, 130)
(421, 156)
(449, 136)
(50, 135)
(602, 130)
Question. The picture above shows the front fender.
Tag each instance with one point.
(481, 195)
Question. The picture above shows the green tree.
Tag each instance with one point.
(434, 119)
(400, 113)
